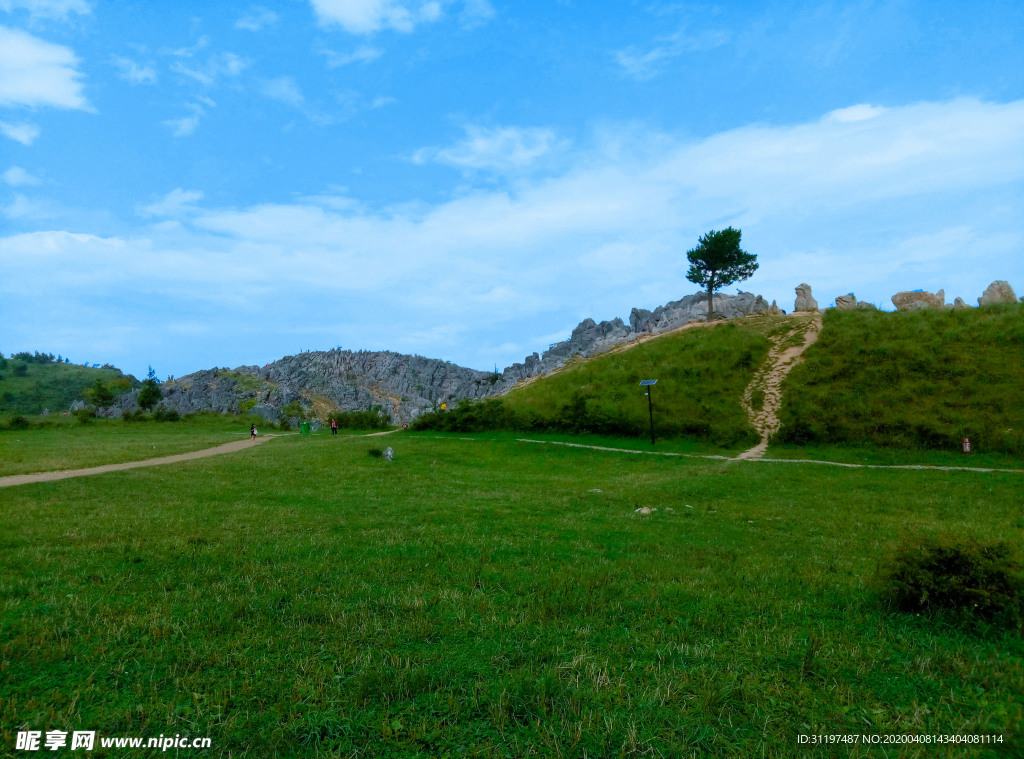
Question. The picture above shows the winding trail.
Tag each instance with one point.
(786, 352)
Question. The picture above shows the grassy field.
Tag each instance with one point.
(920, 379)
(68, 444)
(483, 597)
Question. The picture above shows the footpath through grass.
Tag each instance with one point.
(68, 444)
(492, 599)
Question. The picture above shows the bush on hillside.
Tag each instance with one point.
(18, 423)
(374, 418)
(164, 414)
(947, 573)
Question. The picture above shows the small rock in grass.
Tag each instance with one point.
(594, 490)
(643, 510)
(389, 454)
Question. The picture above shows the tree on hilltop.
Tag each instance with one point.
(718, 260)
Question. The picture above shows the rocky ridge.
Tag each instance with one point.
(405, 386)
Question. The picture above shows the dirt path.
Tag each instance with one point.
(64, 474)
(786, 352)
(771, 461)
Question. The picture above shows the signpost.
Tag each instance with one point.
(649, 384)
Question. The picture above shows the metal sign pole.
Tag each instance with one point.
(649, 384)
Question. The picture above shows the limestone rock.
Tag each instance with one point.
(389, 454)
(804, 300)
(846, 302)
(998, 292)
(863, 305)
(914, 301)
(958, 303)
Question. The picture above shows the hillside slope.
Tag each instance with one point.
(911, 379)
(702, 373)
(52, 386)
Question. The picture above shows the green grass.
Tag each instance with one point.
(493, 598)
(920, 379)
(67, 444)
(701, 375)
(51, 386)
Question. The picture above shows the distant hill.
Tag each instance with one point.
(34, 385)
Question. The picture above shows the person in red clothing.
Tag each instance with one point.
(334, 426)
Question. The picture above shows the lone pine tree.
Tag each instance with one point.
(718, 261)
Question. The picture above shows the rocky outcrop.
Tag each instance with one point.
(590, 338)
(405, 386)
(918, 299)
(998, 292)
(849, 302)
(804, 300)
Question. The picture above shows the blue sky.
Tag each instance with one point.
(187, 186)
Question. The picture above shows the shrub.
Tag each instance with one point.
(138, 415)
(149, 395)
(20, 370)
(19, 423)
(955, 574)
(164, 414)
(85, 415)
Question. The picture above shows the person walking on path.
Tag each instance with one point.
(334, 426)
(252, 432)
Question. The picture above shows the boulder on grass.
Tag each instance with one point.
(914, 301)
(998, 292)
(804, 300)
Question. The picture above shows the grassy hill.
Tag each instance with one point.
(920, 379)
(28, 387)
(701, 375)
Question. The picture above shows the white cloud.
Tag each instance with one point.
(24, 133)
(283, 89)
(34, 72)
(215, 67)
(174, 203)
(475, 12)
(861, 112)
(59, 9)
(363, 54)
(925, 195)
(368, 16)
(643, 65)
(257, 19)
(132, 72)
(500, 149)
(18, 177)
(187, 125)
